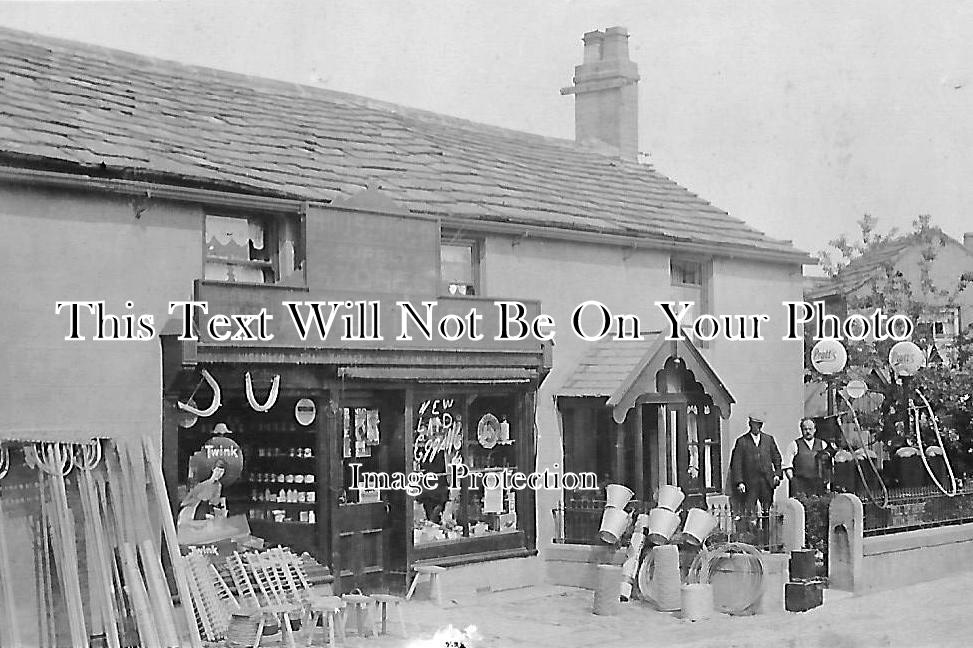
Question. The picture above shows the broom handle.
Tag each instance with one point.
(38, 583)
(136, 592)
(159, 594)
(101, 554)
(157, 482)
(111, 548)
(10, 611)
(70, 549)
(50, 633)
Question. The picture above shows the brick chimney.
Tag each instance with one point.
(606, 94)
(968, 241)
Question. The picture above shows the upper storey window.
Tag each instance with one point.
(253, 249)
(459, 267)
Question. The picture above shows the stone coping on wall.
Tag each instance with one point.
(906, 540)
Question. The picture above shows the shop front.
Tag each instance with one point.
(370, 458)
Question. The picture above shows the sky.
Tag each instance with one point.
(797, 117)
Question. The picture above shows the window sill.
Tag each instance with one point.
(302, 286)
(468, 550)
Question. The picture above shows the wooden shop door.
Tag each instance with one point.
(366, 524)
(361, 546)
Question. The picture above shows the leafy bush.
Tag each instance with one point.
(816, 522)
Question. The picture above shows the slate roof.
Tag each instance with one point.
(76, 107)
(605, 366)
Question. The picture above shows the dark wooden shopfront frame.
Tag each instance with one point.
(315, 374)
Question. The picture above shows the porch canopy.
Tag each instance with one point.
(623, 371)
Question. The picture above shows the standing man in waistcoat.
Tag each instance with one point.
(755, 467)
(801, 461)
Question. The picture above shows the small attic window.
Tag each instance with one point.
(683, 272)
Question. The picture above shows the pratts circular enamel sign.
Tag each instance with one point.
(304, 411)
(906, 358)
(829, 356)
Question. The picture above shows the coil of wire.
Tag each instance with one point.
(242, 630)
(709, 562)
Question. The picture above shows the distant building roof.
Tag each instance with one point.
(85, 109)
(873, 263)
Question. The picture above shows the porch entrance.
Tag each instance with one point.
(642, 419)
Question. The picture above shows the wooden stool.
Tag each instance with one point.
(433, 571)
(383, 601)
(361, 604)
(282, 613)
(328, 608)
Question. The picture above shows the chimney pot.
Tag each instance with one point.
(616, 44)
(968, 241)
(593, 41)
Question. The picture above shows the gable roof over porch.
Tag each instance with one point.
(623, 371)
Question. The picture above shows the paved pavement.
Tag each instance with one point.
(930, 614)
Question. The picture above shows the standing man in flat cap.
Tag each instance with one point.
(755, 467)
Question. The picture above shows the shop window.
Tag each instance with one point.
(459, 267)
(480, 433)
(253, 249)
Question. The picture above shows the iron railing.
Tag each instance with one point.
(908, 509)
(578, 522)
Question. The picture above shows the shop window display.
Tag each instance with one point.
(276, 492)
(465, 434)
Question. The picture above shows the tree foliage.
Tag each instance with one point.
(946, 381)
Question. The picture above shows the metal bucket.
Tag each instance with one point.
(662, 524)
(699, 524)
(670, 497)
(614, 523)
(618, 496)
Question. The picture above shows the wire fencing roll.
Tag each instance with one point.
(709, 562)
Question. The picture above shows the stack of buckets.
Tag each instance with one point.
(614, 523)
(615, 520)
(657, 528)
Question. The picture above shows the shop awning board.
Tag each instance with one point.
(623, 370)
(440, 374)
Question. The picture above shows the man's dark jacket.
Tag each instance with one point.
(751, 464)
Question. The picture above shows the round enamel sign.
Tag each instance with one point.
(829, 356)
(856, 388)
(906, 358)
(305, 411)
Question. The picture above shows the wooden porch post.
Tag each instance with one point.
(639, 463)
(619, 453)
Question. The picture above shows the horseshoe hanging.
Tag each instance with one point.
(271, 398)
(215, 405)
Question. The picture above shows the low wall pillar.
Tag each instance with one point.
(846, 525)
(794, 524)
